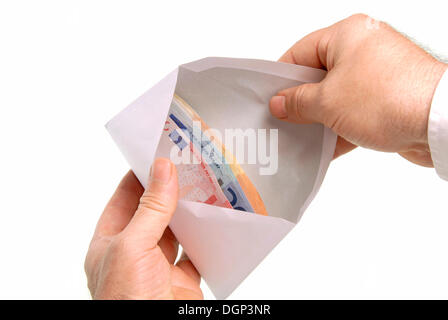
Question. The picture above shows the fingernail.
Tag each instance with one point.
(278, 107)
(161, 170)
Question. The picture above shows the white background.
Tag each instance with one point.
(377, 229)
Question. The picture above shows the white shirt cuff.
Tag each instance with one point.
(438, 128)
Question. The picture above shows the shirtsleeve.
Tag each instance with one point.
(438, 128)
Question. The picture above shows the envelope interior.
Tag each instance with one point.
(227, 98)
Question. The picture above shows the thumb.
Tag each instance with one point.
(157, 205)
(297, 104)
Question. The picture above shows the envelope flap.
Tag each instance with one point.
(281, 69)
(225, 245)
(137, 129)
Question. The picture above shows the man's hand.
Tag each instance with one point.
(377, 93)
(132, 252)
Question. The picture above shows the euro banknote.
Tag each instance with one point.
(196, 180)
(215, 178)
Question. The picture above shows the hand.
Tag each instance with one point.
(132, 252)
(377, 92)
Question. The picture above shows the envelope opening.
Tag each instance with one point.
(284, 156)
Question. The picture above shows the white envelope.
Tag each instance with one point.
(225, 245)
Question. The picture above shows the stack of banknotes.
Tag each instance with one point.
(213, 177)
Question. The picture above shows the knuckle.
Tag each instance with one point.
(358, 17)
(298, 102)
(325, 97)
(356, 22)
(156, 201)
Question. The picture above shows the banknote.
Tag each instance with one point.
(232, 180)
(196, 180)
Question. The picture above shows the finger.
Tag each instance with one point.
(183, 286)
(156, 206)
(310, 51)
(186, 266)
(169, 245)
(121, 206)
(297, 104)
(342, 147)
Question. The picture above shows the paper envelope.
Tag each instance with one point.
(225, 245)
